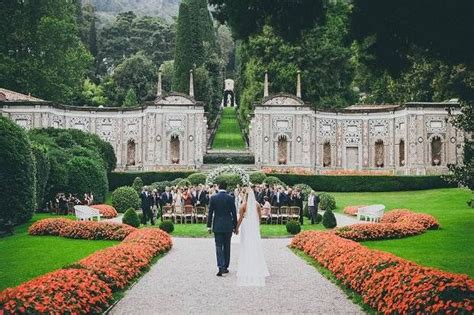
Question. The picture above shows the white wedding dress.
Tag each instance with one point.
(252, 268)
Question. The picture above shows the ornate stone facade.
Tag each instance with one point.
(410, 139)
(167, 133)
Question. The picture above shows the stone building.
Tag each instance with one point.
(411, 139)
(165, 134)
(285, 132)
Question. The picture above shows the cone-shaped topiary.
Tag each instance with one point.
(131, 218)
(318, 218)
(167, 226)
(329, 220)
(293, 227)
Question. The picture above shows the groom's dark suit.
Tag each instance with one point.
(223, 218)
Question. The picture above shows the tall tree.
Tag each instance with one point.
(41, 52)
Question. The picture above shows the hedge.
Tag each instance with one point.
(87, 175)
(118, 179)
(228, 159)
(365, 183)
(17, 174)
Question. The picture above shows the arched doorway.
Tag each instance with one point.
(401, 153)
(327, 154)
(436, 149)
(379, 153)
(282, 150)
(131, 152)
(174, 149)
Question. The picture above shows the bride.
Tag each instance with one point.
(252, 268)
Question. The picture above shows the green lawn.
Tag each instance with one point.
(228, 135)
(24, 257)
(449, 248)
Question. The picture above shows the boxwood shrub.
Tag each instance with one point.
(197, 178)
(131, 218)
(232, 180)
(257, 177)
(365, 183)
(17, 174)
(327, 202)
(118, 179)
(272, 180)
(228, 159)
(125, 197)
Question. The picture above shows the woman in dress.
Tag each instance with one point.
(252, 268)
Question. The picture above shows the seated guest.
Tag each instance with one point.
(266, 208)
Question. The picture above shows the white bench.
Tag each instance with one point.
(86, 213)
(372, 213)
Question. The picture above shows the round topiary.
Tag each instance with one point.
(305, 189)
(86, 175)
(183, 183)
(167, 226)
(131, 218)
(175, 181)
(329, 220)
(17, 174)
(257, 177)
(327, 202)
(197, 178)
(160, 186)
(138, 184)
(125, 197)
(272, 180)
(318, 218)
(293, 227)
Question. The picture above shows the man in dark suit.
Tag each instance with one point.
(279, 198)
(201, 197)
(166, 197)
(147, 202)
(223, 219)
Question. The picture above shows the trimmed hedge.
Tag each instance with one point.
(17, 174)
(87, 175)
(365, 183)
(228, 159)
(118, 179)
(197, 178)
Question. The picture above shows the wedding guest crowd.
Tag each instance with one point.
(268, 196)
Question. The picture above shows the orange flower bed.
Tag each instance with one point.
(107, 212)
(92, 230)
(48, 226)
(66, 291)
(389, 284)
(87, 286)
(118, 265)
(401, 215)
(352, 210)
(398, 223)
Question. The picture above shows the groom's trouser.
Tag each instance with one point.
(223, 249)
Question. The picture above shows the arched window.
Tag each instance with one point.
(327, 154)
(436, 151)
(174, 149)
(401, 153)
(379, 153)
(282, 150)
(130, 152)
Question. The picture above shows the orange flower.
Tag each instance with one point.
(106, 211)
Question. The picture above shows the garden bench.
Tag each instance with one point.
(372, 213)
(86, 213)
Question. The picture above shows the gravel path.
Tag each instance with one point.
(184, 282)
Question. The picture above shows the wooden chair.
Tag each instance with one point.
(275, 215)
(200, 215)
(188, 214)
(167, 213)
(295, 213)
(178, 213)
(264, 218)
(284, 214)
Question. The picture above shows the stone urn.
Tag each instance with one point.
(175, 160)
(402, 163)
(379, 163)
(436, 162)
(281, 161)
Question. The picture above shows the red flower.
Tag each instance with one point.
(106, 211)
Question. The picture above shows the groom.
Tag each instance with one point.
(223, 218)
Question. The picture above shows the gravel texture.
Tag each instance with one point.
(184, 282)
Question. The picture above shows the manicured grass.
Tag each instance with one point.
(24, 257)
(228, 135)
(266, 230)
(449, 248)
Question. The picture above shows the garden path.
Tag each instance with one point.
(184, 281)
(345, 220)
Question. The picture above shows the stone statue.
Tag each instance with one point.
(229, 100)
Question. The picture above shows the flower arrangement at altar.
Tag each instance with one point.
(389, 284)
(228, 169)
